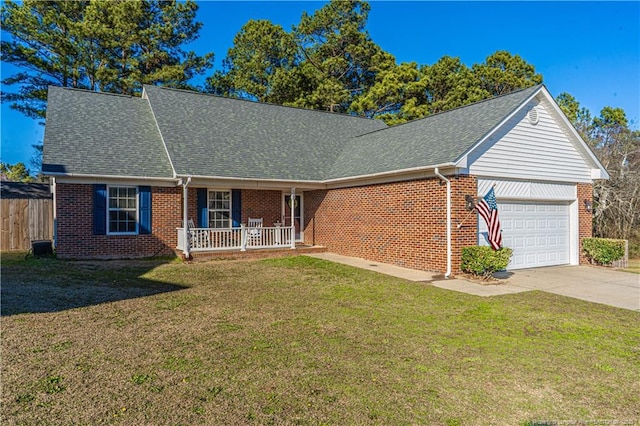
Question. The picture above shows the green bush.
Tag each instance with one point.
(603, 251)
(483, 261)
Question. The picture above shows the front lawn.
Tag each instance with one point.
(300, 341)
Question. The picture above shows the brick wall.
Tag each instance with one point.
(254, 203)
(264, 204)
(75, 239)
(585, 219)
(401, 223)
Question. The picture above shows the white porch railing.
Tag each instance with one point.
(243, 238)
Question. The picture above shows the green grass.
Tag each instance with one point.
(300, 341)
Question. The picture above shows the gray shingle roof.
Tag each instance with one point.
(10, 190)
(213, 136)
(436, 139)
(101, 134)
(111, 135)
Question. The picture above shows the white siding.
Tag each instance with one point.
(528, 190)
(523, 150)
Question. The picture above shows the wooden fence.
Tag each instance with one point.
(25, 220)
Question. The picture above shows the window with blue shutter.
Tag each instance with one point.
(121, 210)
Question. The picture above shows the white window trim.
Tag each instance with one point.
(136, 232)
(209, 210)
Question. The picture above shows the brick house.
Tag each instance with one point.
(183, 172)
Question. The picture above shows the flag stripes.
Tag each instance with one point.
(487, 207)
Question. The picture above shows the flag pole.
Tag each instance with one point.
(465, 218)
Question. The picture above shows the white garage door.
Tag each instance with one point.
(537, 232)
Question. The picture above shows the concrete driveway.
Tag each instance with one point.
(590, 283)
(593, 284)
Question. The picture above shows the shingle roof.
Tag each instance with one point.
(101, 134)
(436, 139)
(213, 136)
(10, 190)
(111, 135)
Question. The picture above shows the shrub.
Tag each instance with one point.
(483, 261)
(603, 251)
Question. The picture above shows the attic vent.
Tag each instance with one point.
(533, 116)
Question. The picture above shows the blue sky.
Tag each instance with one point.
(588, 49)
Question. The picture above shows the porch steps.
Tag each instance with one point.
(301, 249)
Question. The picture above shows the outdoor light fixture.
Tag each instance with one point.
(588, 205)
(470, 202)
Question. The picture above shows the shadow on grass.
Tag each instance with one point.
(39, 285)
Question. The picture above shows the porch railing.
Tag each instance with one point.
(242, 238)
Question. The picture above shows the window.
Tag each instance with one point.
(219, 209)
(122, 210)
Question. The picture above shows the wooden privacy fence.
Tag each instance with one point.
(24, 220)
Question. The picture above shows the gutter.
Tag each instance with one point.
(448, 182)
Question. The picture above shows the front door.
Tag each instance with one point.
(297, 213)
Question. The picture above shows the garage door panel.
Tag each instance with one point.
(537, 232)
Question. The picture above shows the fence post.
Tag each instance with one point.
(243, 237)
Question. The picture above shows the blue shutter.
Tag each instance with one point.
(99, 209)
(236, 207)
(203, 209)
(144, 196)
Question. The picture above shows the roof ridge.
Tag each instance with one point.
(456, 108)
(77, 89)
(194, 92)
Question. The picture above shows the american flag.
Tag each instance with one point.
(488, 209)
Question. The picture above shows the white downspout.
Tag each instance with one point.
(292, 201)
(437, 173)
(55, 212)
(185, 219)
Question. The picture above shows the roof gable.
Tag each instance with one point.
(434, 140)
(546, 149)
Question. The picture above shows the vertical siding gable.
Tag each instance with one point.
(523, 150)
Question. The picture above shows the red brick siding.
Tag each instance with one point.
(75, 237)
(254, 203)
(585, 219)
(401, 223)
(264, 204)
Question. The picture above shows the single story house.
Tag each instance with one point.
(177, 171)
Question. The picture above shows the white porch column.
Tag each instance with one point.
(185, 218)
(292, 201)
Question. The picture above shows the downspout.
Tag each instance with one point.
(55, 212)
(185, 220)
(437, 173)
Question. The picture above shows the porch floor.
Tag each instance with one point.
(301, 249)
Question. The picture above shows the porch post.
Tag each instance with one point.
(185, 219)
(292, 202)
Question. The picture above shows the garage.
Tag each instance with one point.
(540, 231)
